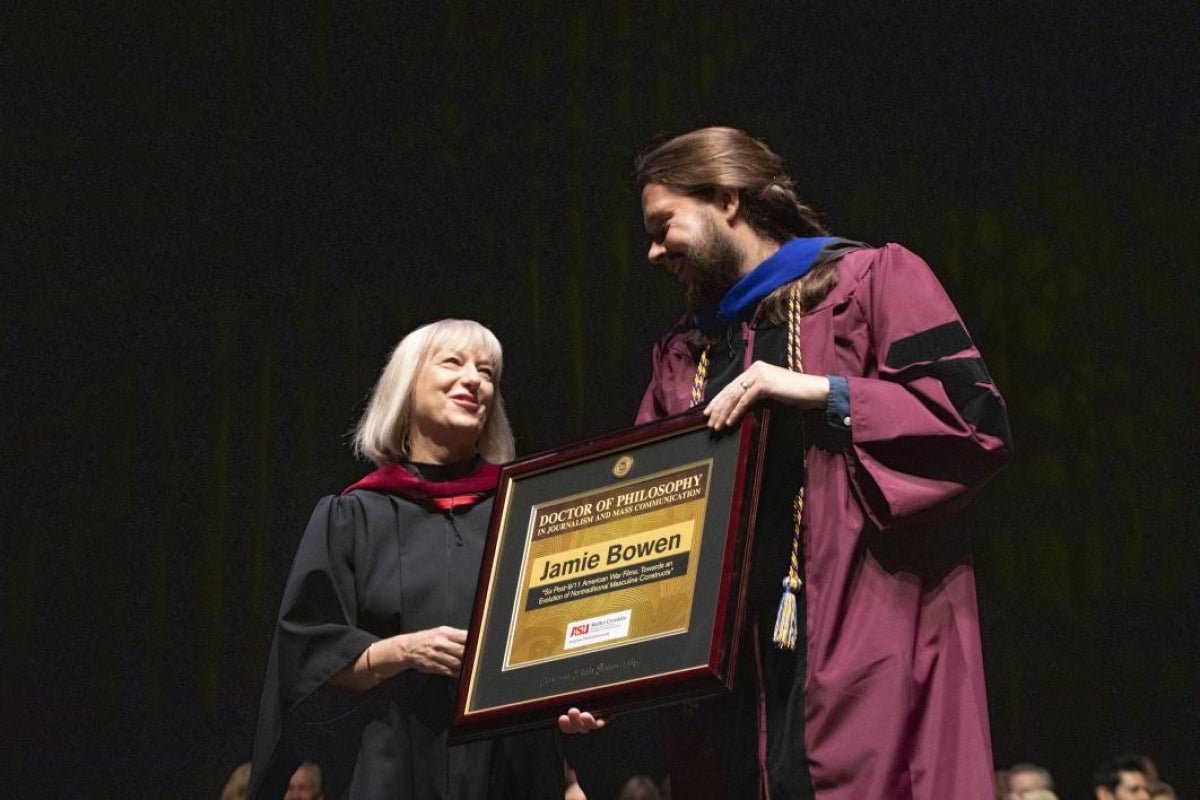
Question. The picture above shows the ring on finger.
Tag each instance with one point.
(745, 386)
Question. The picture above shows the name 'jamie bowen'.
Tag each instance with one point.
(617, 553)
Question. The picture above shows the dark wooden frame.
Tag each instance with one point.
(671, 668)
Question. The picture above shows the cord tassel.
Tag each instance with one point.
(785, 619)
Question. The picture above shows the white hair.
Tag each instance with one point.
(382, 435)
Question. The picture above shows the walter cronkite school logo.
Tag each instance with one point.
(597, 629)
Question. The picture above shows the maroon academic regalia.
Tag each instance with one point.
(889, 690)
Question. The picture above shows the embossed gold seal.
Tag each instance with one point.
(623, 465)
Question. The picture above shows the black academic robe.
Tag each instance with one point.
(372, 565)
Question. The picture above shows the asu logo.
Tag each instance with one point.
(595, 630)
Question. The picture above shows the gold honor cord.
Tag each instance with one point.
(785, 619)
(701, 377)
(785, 632)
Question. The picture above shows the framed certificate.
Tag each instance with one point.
(613, 576)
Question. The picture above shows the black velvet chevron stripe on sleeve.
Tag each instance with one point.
(928, 345)
(968, 385)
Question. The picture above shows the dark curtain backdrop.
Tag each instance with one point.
(219, 221)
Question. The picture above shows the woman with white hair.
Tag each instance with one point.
(371, 630)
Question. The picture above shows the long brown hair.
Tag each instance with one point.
(814, 287)
(701, 161)
(698, 162)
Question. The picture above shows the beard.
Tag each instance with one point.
(716, 265)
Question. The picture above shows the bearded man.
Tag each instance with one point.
(865, 680)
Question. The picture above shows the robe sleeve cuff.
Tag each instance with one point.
(837, 406)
